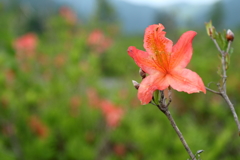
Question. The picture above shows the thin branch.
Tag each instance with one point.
(223, 61)
(209, 84)
(169, 96)
(161, 97)
(216, 92)
(225, 96)
(152, 103)
(229, 46)
(175, 127)
(222, 89)
(224, 68)
(224, 76)
(216, 44)
(164, 108)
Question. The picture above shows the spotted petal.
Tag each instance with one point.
(155, 40)
(143, 60)
(157, 45)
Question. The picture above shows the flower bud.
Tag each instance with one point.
(209, 28)
(135, 84)
(142, 73)
(230, 35)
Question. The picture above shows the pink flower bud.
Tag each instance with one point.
(135, 84)
(230, 35)
(142, 73)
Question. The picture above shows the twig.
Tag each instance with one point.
(169, 96)
(222, 89)
(174, 125)
(229, 46)
(225, 96)
(215, 42)
(216, 92)
(224, 76)
(164, 108)
(223, 61)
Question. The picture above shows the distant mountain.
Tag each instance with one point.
(135, 18)
(190, 15)
(232, 12)
(43, 7)
(84, 8)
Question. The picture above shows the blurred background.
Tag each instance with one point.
(66, 90)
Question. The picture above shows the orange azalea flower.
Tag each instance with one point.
(165, 63)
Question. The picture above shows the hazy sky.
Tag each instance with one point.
(156, 3)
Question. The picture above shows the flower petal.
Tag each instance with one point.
(157, 45)
(155, 40)
(186, 80)
(149, 85)
(182, 50)
(143, 60)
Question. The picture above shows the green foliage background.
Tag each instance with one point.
(79, 132)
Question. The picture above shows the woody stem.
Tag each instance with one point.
(225, 96)
(222, 89)
(175, 127)
(224, 74)
(163, 106)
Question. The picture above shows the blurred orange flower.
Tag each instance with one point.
(68, 14)
(8, 129)
(119, 149)
(74, 105)
(38, 127)
(60, 60)
(26, 43)
(93, 97)
(98, 41)
(112, 113)
(25, 47)
(9, 76)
